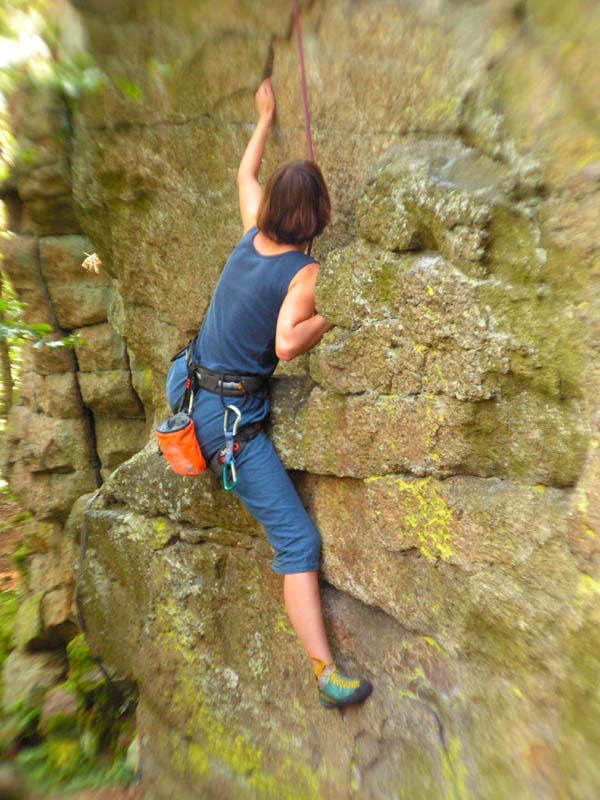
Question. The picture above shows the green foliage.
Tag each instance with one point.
(77, 75)
(18, 725)
(16, 519)
(127, 87)
(84, 750)
(61, 764)
(9, 603)
(13, 327)
(81, 659)
(20, 556)
(72, 75)
(13, 13)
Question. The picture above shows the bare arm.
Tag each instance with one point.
(298, 327)
(249, 189)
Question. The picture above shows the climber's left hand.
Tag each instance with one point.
(265, 100)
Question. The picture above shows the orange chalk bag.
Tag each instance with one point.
(177, 440)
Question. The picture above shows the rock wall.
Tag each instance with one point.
(444, 435)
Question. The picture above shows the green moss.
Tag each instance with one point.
(218, 744)
(64, 754)
(59, 766)
(20, 557)
(80, 657)
(9, 604)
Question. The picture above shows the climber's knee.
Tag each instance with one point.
(302, 554)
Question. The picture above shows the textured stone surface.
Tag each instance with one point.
(444, 435)
(28, 676)
(110, 391)
(118, 439)
(56, 394)
(103, 348)
(78, 297)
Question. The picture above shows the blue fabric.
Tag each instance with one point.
(238, 336)
(263, 483)
(238, 332)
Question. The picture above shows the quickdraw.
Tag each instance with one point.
(229, 469)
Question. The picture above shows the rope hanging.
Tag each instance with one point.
(311, 153)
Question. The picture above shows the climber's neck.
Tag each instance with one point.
(267, 247)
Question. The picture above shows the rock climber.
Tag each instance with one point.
(262, 310)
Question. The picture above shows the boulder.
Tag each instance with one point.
(28, 676)
(104, 349)
(110, 392)
(78, 297)
(118, 439)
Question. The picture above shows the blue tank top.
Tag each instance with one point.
(238, 332)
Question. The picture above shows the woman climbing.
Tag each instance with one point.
(263, 308)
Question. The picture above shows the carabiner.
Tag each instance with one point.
(226, 484)
(238, 414)
(229, 460)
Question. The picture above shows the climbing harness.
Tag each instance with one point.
(177, 437)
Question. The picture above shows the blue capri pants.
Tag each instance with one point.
(264, 485)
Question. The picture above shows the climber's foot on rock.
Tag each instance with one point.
(336, 689)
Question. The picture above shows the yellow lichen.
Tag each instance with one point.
(455, 770)
(430, 522)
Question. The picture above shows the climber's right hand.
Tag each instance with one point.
(265, 100)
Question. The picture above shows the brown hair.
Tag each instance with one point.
(295, 205)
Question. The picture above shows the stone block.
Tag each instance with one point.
(59, 710)
(56, 614)
(435, 194)
(48, 444)
(368, 434)
(110, 392)
(56, 395)
(104, 348)
(79, 297)
(21, 262)
(49, 216)
(50, 570)
(28, 677)
(49, 359)
(28, 631)
(42, 536)
(50, 495)
(148, 485)
(118, 439)
(427, 434)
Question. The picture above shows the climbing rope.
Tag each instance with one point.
(311, 152)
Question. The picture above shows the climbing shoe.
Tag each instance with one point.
(337, 690)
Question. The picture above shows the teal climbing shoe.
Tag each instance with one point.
(339, 690)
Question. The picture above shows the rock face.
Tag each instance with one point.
(444, 435)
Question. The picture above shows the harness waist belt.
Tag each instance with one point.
(227, 384)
